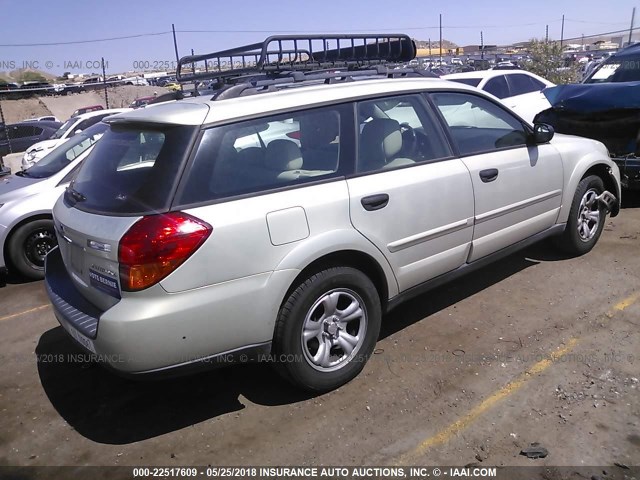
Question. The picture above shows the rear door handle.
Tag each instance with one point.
(375, 202)
(488, 175)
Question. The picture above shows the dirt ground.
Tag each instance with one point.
(63, 106)
(465, 374)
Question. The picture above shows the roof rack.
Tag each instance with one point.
(298, 53)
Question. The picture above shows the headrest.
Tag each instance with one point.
(318, 129)
(283, 155)
(381, 141)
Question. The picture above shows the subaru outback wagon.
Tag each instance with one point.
(284, 215)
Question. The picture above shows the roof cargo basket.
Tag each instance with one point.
(286, 53)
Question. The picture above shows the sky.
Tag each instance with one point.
(227, 24)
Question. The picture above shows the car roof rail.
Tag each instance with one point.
(253, 84)
(296, 53)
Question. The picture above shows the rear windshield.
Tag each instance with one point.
(473, 82)
(133, 170)
(67, 152)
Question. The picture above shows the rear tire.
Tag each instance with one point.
(28, 246)
(327, 329)
(586, 218)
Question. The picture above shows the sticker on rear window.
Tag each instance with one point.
(105, 284)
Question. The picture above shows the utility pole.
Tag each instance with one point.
(175, 43)
(633, 14)
(429, 49)
(562, 33)
(481, 46)
(104, 82)
(440, 39)
(546, 34)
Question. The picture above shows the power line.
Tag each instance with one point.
(451, 27)
(152, 34)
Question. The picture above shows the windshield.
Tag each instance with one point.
(64, 154)
(62, 130)
(624, 68)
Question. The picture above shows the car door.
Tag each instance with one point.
(409, 196)
(517, 186)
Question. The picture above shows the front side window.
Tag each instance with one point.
(268, 153)
(396, 131)
(478, 125)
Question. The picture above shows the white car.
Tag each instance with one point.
(188, 239)
(46, 118)
(68, 129)
(518, 89)
(26, 199)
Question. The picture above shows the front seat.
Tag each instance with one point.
(380, 144)
(283, 160)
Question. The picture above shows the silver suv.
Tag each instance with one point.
(282, 217)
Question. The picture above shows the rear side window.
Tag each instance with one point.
(268, 153)
(132, 170)
(21, 132)
(521, 84)
(497, 87)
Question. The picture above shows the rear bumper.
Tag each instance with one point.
(629, 172)
(161, 334)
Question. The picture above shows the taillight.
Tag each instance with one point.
(156, 245)
(295, 135)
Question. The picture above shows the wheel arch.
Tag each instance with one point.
(603, 169)
(347, 258)
(604, 172)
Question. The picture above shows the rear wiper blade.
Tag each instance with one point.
(77, 196)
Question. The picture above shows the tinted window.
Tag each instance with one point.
(262, 154)
(37, 131)
(396, 131)
(132, 170)
(21, 131)
(521, 84)
(64, 154)
(498, 87)
(478, 125)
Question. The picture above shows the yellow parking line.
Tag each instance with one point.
(8, 317)
(477, 411)
(624, 304)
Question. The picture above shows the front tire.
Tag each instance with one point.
(28, 246)
(586, 217)
(327, 329)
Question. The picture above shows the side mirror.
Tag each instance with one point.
(542, 133)
(77, 131)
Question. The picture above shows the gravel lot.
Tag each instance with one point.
(464, 374)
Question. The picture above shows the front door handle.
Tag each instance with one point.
(488, 175)
(375, 202)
